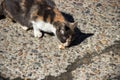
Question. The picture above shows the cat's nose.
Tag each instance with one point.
(63, 41)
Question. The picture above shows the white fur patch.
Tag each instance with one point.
(24, 27)
(43, 26)
(62, 32)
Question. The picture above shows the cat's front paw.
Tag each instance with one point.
(38, 34)
(25, 28)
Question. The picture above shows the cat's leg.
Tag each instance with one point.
(24, 28)
(37, 32)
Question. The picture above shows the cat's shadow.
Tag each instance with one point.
(80, 36)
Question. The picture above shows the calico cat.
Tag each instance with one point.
(41, 15)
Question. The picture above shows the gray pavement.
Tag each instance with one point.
(94, 55)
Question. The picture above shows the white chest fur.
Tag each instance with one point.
(43, 26)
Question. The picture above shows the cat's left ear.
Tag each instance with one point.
(73, 25)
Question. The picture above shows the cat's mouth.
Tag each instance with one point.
(64, 45)
(67, 43)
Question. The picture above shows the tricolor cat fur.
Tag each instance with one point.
(42, 15)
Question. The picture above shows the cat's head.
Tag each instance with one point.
(65, 32)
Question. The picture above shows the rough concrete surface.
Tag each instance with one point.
(94, 55)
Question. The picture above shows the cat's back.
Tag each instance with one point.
(26, 7)
(23, 11)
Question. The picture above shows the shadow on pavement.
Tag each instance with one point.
(68, 17)
(80, 37)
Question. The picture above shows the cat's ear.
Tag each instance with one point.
(73, 25)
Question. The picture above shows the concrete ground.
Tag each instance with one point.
(94, 55)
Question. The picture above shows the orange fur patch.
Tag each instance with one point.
(58, 16)
(39, 18)
(38, 1)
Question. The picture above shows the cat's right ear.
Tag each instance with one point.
(73, 25)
